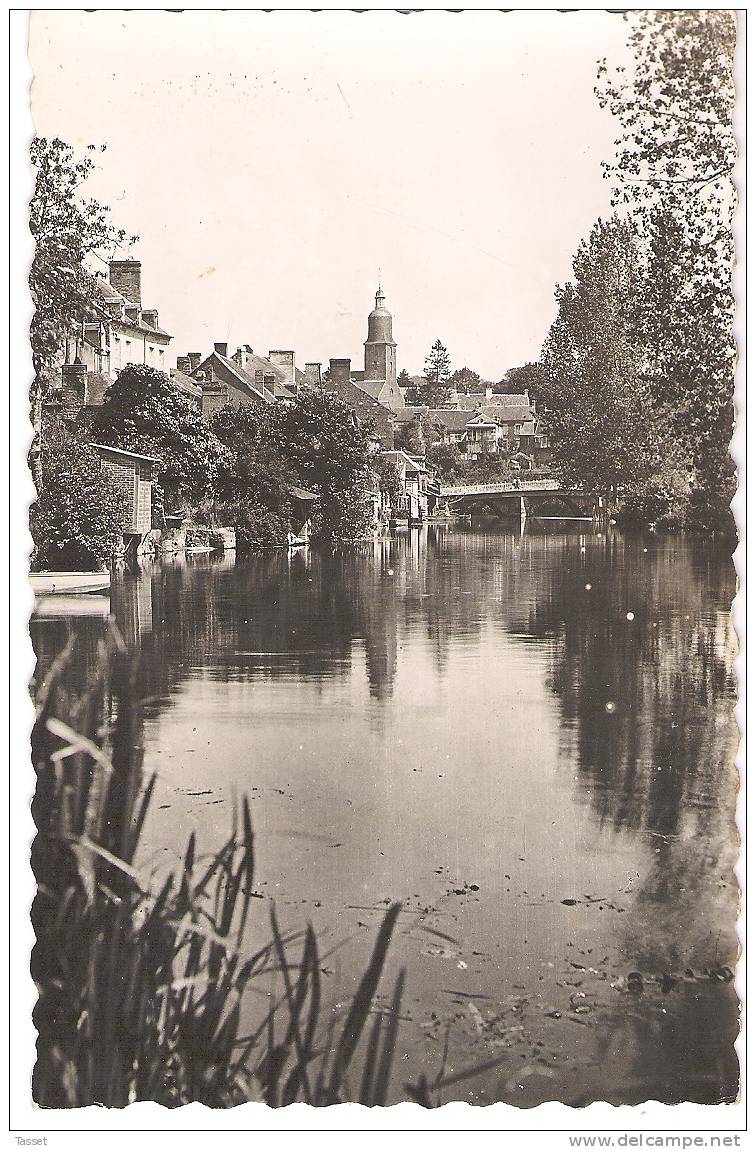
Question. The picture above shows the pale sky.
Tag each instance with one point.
(271, 163)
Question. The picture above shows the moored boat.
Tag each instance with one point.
(69, 582)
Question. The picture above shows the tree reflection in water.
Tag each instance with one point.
(636, 642)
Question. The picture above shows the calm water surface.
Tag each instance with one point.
(528, 739)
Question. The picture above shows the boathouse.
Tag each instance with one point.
(135, 475)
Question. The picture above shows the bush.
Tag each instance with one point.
(255, 525)
(80, 513)
(446, 460)
(145, 412)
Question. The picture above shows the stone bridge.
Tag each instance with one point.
(523, 496)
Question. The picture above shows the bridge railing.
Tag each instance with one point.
(521, 487)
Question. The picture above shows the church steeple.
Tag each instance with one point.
(380, 350)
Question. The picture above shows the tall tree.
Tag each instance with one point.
(674, 164)
(597, 405)
(434, 389)
(330, 450)
(68, 231)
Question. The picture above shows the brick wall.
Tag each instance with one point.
(125, 473)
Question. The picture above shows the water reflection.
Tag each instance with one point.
(593, 674)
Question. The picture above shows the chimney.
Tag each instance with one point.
(340, 370)
(126, 277)
(183, 364)
(195, 359)
(74, 388)
(285, 361)
(489, 391)
(221, 349)
(242, 355)
(312, 374)
(150, 317)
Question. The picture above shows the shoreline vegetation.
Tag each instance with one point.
(144, 979)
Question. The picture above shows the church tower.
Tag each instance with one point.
(380, 348)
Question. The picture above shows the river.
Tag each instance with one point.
(529, 739)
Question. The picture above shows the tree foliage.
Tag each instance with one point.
(68, 230)
(330, 451)
(145, 412)
(408, 436)
(674, 108)
(596, 402)
(673, 168)
(252, 488)
(81, 510)
(389, 478)
(518, 380)
(465, 380)
(446, 460)
(434, 390)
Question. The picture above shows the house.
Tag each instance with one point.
(449, 423)
(135, 476)
(535, 442)
(413, 480)
(243, 377)
(300, 518)
(119, 330)
(483, 436)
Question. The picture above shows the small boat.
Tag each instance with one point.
(71, 606)
(198, 550)
(69, 582)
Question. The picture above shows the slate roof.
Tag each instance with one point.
(400, 456)
(257, 391)
(97, 384)
(511, 413)
(186, 384)
(477, 399)
(449, 417)
(107, 292)
(372, 387)
(302, 494)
